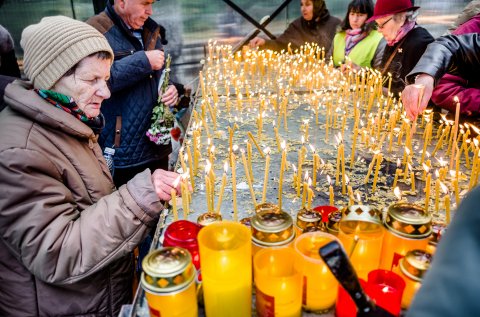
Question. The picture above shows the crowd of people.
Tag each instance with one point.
(69, 224)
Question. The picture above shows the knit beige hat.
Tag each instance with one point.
(56, 44)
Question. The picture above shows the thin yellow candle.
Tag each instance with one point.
(377, 170)
(310, 194)
(398, 172)
(185, 196)
(265, 177)
(282, 171)
(351, 198)
(277, 138)
(446, 203)
(427, 187)
(182, 161)
(188, 158)
(370, 167)
(455, 188)
(234, 182)
(437, 192)
(208, 189)
(249, 159)
(330, 190)
(412, 180)
(173, 193)
(250, 135)
(222, 188)
(455, 130)
(249, 180)
(305, 189)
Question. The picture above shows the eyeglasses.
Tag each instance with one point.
(381, 26)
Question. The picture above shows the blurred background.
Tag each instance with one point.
(191, 23)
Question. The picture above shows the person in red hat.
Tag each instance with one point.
(406, 40)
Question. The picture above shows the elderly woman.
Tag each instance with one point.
(316, 25)
(67, 234)
(357, 42)
(406, 40)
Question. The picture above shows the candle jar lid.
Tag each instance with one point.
(438, 230)
(360, 217)
(307, 218)
(272, 228)
(208, 218)
(408, 220)
(333, 221)
(167, 270)
(415, 264)
(247, 221)
(266, 207)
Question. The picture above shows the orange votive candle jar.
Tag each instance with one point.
(412, 268)
(361, 233)
(408, 227)
(319, 285)
(168, 279)
(225, 254)
(271, 229)
(278, 285)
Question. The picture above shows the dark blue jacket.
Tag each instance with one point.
(134, 88)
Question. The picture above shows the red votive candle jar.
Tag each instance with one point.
(183, 233)
(345, 307)
(325, 211)
(386, 289)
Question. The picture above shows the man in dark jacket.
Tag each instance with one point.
(135, 75)
(457, 55)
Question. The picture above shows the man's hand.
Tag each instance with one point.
(257, 41)
(170, 97)
(163, 183)
(156, 59)
(411, 95)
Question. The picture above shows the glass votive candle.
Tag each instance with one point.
(332, 223)
(226, 257)
(266, 207)
(325, 211)
(271, 229)
(386, 289)
(307, 218)
(412, 268)
(278, 285)
(361, 233)
(183, 233)
(208, 218)
(438, 230)
(345, 306)
(408, 227)
(319, 285)
(168, 280)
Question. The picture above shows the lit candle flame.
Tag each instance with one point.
(312, 148)
(225, 167)
(305, 178)
(453, 173)
(444, 188)
(234, 148)
(456, 100)
(208, 166)
(347, 180)
(267, 150)
(329, 180)
(176, 181)
(425, 167)
(399, 163)
(398, 193)
(283, 145)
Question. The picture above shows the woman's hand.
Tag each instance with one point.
(170, 97)
(257, 41)
(163, 183)
(412, 93)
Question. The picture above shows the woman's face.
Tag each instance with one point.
(306, 7)
(389, 26)
(87, 85)
(357, 19)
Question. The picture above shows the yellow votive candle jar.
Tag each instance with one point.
(320, 287)
(271, 229)
(361, 233)
(168, 279)
(412, 268)
(408, 227)
(225, 254)
(307, 218)
(278, 285)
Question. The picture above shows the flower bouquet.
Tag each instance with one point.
(162, 117)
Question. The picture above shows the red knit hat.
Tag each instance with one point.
(389, 7)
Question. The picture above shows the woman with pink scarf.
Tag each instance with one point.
(357, 43)
(406, 40)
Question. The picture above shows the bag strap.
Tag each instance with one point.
(390, 59)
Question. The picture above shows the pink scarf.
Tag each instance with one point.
(407, 27)
(353, 38)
